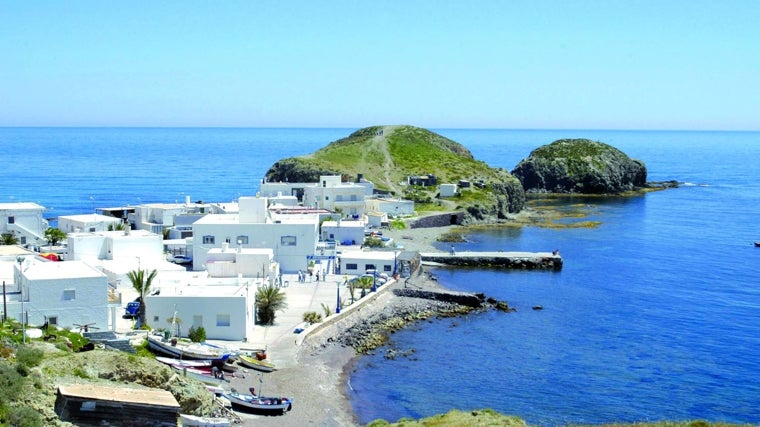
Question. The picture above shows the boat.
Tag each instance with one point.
(254, 363)
(259, 403)
(195, 421)
(194, 363)
(757, 244)
(183, 349)
(202, 375)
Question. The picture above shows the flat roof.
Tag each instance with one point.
(145, 396)
(60, 270)
(21, 205)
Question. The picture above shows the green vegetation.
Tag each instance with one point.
(142, 285)
(269, 299)
(398, 224)
(197, 334)
(54, 236)
(312, 317)
(8, 239)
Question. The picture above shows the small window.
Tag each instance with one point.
(11, 220)
(227, 240)
(327, 197)
(386, 268)
(69, 294)
(369, 267)
(52, 320)
(352, 266)
(92, 229)
(288, 241)
(155, 319)
(243, 240)
(222, 320)
(209, 240)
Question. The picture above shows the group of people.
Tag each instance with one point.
(302, 276)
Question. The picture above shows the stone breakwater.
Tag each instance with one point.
(409, 306)
(507, 260)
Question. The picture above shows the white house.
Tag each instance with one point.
(343, 232)
(392, 207)
(87, 222)
(291, 237)
(358, 261)
(332, 194)
(225, 309)
(447, 190)
(242, 262)
(65, 293)
(23, 220)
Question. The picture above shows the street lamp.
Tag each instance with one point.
(374, 281)
(337, 304)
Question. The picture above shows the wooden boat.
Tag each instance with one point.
(254, 363)
(202, 375)
(194, 363)
(182, 349)
(195, 421)
(259, 403)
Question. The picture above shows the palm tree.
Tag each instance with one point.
(8, 239)
(142, 285)
(269, 299)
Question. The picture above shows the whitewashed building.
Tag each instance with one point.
(65, 294)
(343, 232)
(332, 194)
(86, 223)
(224, 308)
(447, 190)
(291, 237)
(392, 207)
(24, 220)
(357, 262)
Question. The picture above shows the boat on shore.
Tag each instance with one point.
(261, 404)
(193, 363)
(203, 375)
(195, 421)
(183, 349)
(255, 363)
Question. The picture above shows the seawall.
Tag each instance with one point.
(510, 260)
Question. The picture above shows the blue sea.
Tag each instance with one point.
(655, 315)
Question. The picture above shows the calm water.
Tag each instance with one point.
(656, 314)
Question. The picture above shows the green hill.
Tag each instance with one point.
(387, 155)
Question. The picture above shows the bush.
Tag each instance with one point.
(197, 334)
(312, 317)
(24, 416)
(29, 356)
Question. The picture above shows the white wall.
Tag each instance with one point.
(383, 261)
(209, 309)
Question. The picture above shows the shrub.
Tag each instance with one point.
(29, 356)
(312, 317)
(197, 334)
(24, 416)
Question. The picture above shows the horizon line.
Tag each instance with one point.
(351, 127)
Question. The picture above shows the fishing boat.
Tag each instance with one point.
(272, 405)
(202, 375)
(195, 421)
(255, 363)
(194, 363)
(183, 349)
(757, 244)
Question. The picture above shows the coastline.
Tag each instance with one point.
(316, 372)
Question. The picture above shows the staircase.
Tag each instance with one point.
(110, 340)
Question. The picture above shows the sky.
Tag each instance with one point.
(506, 64)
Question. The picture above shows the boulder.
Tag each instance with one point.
(580, 166)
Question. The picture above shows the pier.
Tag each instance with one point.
(506, 260)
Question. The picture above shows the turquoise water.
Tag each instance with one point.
(656, 314)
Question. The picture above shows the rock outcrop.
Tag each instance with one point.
(580, 166)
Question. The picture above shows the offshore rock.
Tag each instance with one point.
(580, 166)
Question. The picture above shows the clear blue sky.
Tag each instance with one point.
(569, 64)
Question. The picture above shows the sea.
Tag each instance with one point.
(655, 315)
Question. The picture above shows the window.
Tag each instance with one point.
(353, 197)
(352, 266)
(53, 320)
(386, 268)
(227, 240)
(69, 294)
(222, 320)
(11, 220)
(155, 319)
(288, 241)
(92, 229)
(209, 240)
(243, 240)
